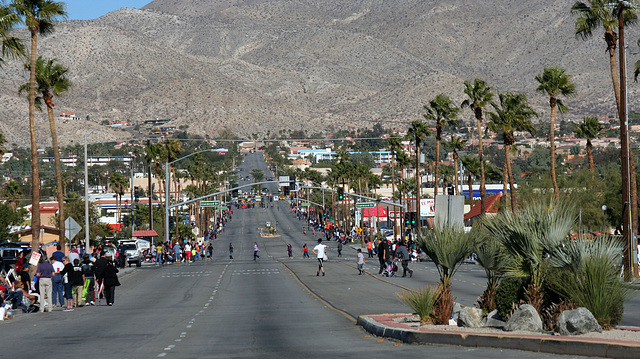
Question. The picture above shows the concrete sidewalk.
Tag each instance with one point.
(385, 326)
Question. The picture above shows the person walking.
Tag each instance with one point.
(305, 251)
(290, 251)
(340, 248)
(360, 262)
(68, 283)
(57, 282)
(320, 251)
(230, 250)
(383, 253)
(370, 249)
(44, 272)
(210, 252)
(403, 254)
(89, 272)
(110, 280)
(255, 250)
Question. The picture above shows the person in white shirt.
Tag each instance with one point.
(360, 262)
(320, 250)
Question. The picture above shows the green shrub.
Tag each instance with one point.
(510, 291)
(421, 302)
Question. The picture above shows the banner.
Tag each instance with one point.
(427, 207)
(35, 258)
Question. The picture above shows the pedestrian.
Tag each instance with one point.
(110, 277)
(230, 250)
(89, 272)
(58, 253)
(320, 250)
(68, 283)
(370, 248)
(255, 250)
(44, 272)
(56, 280)
(360, 262)
(403, 254)
(209, 252)
(383, 253)
(100, 265)
(77, 279)
(305, 251)
(340, 248)
(290, 250)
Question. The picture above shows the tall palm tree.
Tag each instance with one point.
(554, 82)
(589, 128)
(12, 47)
(51, 80)
(456, 144)
(38, 16)
(480, 96)
(119, 183)
(443, 112)
(513, 113)
(13, 191)
(416, 133)
(472, 165)
(394, 145)
(403, 161)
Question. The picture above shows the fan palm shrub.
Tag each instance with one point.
(590, 277)
(447, 246)
(421, 302)
(529, 235)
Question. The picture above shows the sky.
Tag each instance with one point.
(93, 9)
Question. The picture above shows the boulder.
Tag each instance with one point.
(493, 320)
(576, 322)
(456, 311)
(470, 317)
(525, 318)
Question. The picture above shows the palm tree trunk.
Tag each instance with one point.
(554, 179)
(59, 189)
(435, 179)
(512, 187)
(470, 184)
(418, 185)
(505, 176)
(35, 174)
(393, 194)
(590, 157)
(455, 170)
(483, 191)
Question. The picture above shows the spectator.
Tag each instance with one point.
(89, 272)
(77, 280)
(68, 284)
(57, 281)
(110, 282)
(44, 272)
(59, 254)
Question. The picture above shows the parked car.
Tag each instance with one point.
(132, 251)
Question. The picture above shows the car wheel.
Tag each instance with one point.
(139, 264)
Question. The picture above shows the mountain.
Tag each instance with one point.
(265, 65)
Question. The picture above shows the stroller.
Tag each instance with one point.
(392, 268)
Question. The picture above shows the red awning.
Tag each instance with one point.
(145, 233)
(490, 205)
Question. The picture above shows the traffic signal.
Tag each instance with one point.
(407, 219)
(171, 222)
(450, 190)
(136, 193)
(340, 193)
(292, 184)
(413, 219)
(138, 221)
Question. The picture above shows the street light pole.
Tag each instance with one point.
(86, 187)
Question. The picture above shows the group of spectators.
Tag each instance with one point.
(60, 281)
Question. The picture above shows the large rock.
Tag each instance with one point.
(576, 322)
(525, 318)
(493, 320)
(456, 311)
(470, 317)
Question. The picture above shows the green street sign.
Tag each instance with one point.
(223, 208)
(365, 205)
(305, 204)
(209, 203)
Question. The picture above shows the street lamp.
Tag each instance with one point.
(166, 192)
(604, 208)
(86, 186)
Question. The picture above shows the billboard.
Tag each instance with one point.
(427, 207)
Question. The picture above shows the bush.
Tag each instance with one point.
(510, 291)
(421, 302)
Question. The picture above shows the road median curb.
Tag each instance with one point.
(385, 327)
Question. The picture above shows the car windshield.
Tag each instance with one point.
(129, 247)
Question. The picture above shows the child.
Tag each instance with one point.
(360, 262)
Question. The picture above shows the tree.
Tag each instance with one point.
(513, 113)
(472, 165)
(456, 144)
(51, 80)
(554, 82)
(38, 16)
(416, 133)
(119, 183)
(12, 47)
(394, 145)
(13, 191)
(443, 112)
(480, 96)
(589, 128)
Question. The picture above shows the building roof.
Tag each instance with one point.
(145, 233)
(490, 205)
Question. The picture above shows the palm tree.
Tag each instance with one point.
(13, 191)
(589, 128)
(394, 145)
(443, 112)
(513, 113)
(38, 16)
(11, 46)
(472, 165)
(480, 96)
(403, 161)
(119, 183)
(3, 140)
(554, 82)
(51, 80)
(416, 133)
(456, 144)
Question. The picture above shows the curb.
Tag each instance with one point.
(594, 347)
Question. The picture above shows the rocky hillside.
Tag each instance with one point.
(258, 65)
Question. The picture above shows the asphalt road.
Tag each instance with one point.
(273, 307)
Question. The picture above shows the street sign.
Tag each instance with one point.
(209, 203)
(71, 228)
(305, 204)
(365, 205)
(223, 208)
